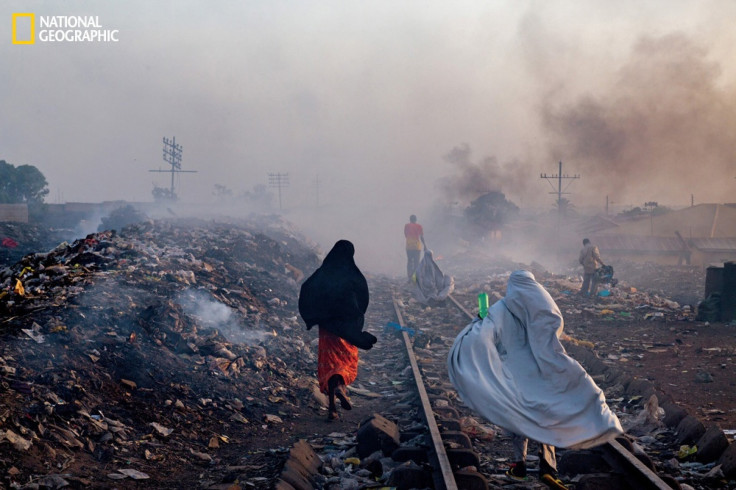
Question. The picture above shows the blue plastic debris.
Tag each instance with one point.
(395, 327)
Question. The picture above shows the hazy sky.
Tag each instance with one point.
(372, 96)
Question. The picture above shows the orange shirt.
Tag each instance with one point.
(413, 233)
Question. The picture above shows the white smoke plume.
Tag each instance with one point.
(214, 315)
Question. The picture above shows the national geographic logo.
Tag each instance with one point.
(61, 29)
(18, 23)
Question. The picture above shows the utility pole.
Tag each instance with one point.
(279, 181)
(560, 191)
(172, 156)
(609, 204)
(651, 206)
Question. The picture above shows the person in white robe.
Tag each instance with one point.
(511, 368)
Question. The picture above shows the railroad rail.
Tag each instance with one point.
(443, 478)
(450, 476)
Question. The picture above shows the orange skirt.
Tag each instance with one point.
(335, 356)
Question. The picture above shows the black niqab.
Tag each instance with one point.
(335, 297)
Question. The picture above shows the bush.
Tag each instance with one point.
(121, 217)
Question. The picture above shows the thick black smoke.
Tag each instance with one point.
(470, 179)
(663, 131)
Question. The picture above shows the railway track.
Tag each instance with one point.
(463, 462)
(404, 381)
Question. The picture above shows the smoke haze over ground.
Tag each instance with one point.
(662, 128)
(379, 110)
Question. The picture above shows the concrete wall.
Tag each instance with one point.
(17, 213)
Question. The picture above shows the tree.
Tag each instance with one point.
(162, 194)
(259, 198)
(222, 192)
(564, 207)
(22, 184)
(120, 218)
(649, 209)
(490, 211)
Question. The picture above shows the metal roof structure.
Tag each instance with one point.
(701, 221)
(708, 228)
(632, 243)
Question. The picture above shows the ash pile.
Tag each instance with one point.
(142, 351)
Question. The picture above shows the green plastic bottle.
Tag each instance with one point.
(482, 305)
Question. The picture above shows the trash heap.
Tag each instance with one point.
(621, 301)
(148, 348)
(19, 239)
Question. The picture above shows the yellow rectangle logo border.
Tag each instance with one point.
(33, 28)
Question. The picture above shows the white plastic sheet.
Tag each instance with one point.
(431, 283)
(512, 369)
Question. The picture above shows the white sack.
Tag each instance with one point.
(431, 283)
(511, 368)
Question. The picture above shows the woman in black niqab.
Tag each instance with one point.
(335, 297)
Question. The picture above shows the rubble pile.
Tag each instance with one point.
(149, 348)
(19, 239)
(622, 302)
(680, 283)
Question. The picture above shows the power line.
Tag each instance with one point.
(559, 176)
(172, 156)
(560, 191)
(279, 181)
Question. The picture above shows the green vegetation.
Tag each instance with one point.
(22, 184)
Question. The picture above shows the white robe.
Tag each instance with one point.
(511, 368)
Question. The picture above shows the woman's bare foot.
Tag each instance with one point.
(341, 394)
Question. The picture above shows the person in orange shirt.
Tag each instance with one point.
(414, 243)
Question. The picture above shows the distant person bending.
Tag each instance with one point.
(414, 242)
(335, 297)
(589, 259)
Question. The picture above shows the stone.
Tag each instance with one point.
(640, 387)
(447, 412)
(460, 458)
(377, 433)
(601, 482)
(410, 453)
(582, 462)
(448, 424)
(296, 467)
(304, 454)
(728, 461)
(711, 445)
(410, 475)
(673, 414)
(295, 478)
(470, 480)
(282, 485)
(689, 430)
(456, 439)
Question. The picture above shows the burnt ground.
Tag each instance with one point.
(648, 337)
(171, 355)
